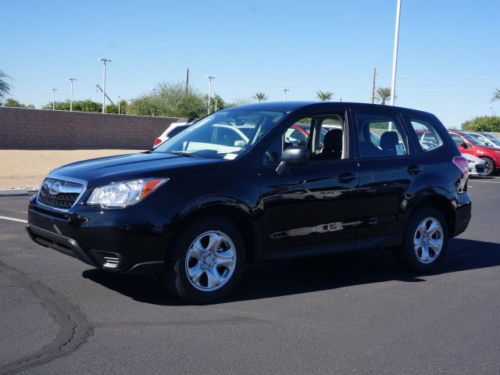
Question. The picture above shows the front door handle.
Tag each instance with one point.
(346, 177)
(414, 169)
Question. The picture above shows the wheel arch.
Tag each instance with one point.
(442, 203)
(228, 208)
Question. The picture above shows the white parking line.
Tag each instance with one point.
(13, 219)
(488, 181)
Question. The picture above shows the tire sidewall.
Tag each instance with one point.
(490, 161)
(176, 277)
(408, 255)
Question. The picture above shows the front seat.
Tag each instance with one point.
(388, 142)
(332, 145)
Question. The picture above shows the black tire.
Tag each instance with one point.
(409, 255)
(489, 165)
(175, 275)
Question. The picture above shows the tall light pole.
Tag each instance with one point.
(210, 78)
(119, 104)
(395, 54)
(104, 61)
(285, 91)
(54, 99)
(71, 80)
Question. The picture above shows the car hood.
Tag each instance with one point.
(130, 166)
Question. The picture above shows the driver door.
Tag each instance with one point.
(312, 209)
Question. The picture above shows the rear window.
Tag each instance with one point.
(427, 135)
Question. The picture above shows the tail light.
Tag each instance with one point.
(463, 165)
(157, 142)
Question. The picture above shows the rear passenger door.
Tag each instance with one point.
(387, 168)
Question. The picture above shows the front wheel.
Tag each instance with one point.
(489, 165)
(207, 261)
(425, 241)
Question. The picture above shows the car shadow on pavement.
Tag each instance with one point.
(311, 274)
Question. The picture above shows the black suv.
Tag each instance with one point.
(260, 182)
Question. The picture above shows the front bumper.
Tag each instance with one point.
(130, 240)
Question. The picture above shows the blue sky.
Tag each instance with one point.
(449, 61)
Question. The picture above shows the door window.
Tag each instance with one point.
(380, 136)
(323, 135)
(457, 139)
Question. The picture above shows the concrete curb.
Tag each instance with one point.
(16, 192)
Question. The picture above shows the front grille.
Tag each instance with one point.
(60, 194)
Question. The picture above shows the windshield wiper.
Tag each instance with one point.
(181, 153)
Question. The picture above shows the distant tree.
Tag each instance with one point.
(13, 103)
(383, 94)
(170, 100)
(216, 103)
(112, 108)
(483, 123)
(496, 95)
(324, 96)
(260, 97)
(4, 85)
(78, 105)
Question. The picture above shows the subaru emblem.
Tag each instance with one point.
(55, 188)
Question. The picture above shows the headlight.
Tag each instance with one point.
(125, 193)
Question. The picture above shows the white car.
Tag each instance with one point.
(475, 164)
(174, 129)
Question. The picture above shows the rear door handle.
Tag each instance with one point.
(346, 177)
(414, 169)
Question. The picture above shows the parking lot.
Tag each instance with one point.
(349, 313)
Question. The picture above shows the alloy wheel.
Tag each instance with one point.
(428, 240)
(210, 261)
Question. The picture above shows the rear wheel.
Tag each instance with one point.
(489, 165)
(207, 261)
(425, 241)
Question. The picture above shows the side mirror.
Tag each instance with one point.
(294, 155)
(464, 145)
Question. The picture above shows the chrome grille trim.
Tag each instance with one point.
(68, 186)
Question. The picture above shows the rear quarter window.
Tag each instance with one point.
(427, 135)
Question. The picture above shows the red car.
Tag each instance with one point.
(469, 145)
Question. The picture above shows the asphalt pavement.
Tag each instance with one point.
(350, 313)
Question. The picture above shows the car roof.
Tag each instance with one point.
(300, 105)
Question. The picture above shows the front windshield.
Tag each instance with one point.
(478, 140)
(491, 138)
(225, 134)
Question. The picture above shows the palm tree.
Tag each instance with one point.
(496, 95)
(324, 96)
(260, 96)
(4, 85)
(383, 94)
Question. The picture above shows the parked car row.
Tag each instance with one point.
(480, 146)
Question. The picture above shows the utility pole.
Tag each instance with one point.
(284, 94)
(119, 104)
(210, 78)
(104, 61)
(54, 99)
(373, 85)
(71, 80)
(187, 81)
(395, 53)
